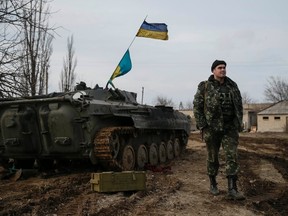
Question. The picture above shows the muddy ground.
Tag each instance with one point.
(183, 190)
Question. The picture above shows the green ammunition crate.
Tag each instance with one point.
(118, 181)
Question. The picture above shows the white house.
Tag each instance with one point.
(273, 118)
(250, 115)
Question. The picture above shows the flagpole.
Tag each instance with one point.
(125, 52)
(136, 33)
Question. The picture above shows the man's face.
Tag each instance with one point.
(220, 71)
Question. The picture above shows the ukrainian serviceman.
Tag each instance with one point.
(218, 112)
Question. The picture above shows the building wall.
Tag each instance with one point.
(249, 120)
(252, 121)
(246, 123)
(272, 123)
(250, 114)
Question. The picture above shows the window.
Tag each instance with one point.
(276, 117)
(265, 118)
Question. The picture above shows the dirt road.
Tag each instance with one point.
(183, 190)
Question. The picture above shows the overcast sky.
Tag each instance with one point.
(250, 35)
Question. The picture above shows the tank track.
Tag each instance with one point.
(105, 151)
(117, 148)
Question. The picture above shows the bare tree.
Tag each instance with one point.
(246, 99)
(68, 76)
(26, 47)
(10, 39)
(276, 89)
(164, 101)
(189, 105)
(10, 31)
(37, 48)
(47, 49)
(181, 107)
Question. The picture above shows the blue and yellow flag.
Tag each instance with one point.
(123, 67)
(153, 30)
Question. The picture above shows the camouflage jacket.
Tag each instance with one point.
(207, 108)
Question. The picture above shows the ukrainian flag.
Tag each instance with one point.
(123, 67)
(153, 30)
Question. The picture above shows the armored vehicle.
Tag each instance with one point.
(106, 127)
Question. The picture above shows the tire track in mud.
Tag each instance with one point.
(263, 179)
(265, 174)
(64, 195)
(264, 171)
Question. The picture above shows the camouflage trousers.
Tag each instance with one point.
(228, 139)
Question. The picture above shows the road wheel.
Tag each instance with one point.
(153, 154)
(128, 158)
(177, 148)
(114, 145)
(162, 152)
(170, 150)
(142, 156)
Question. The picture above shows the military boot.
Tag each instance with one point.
(233, 193)
(213, 185)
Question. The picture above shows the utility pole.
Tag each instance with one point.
(142, 95)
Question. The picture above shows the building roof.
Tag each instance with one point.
(280, 108)
(256, 106)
